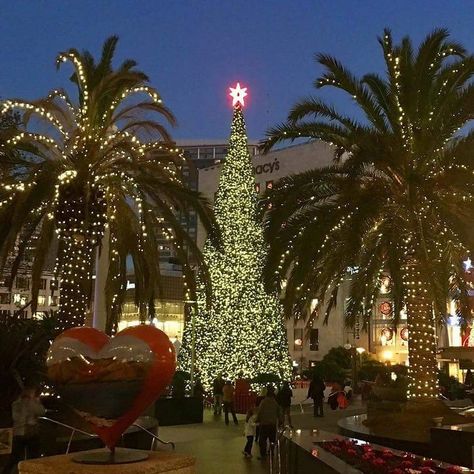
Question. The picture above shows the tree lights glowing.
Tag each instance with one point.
(399, 200)
(92, 170)
(242, 331)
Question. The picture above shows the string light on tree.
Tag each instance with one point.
(242, 331)
(94, 171)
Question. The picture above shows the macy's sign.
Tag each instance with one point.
(269, 167)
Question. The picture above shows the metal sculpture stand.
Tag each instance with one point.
(110, 456)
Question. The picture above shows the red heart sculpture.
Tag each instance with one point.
(111, 381)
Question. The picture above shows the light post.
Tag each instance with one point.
(355, 352)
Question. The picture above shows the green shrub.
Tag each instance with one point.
(340, 356)
(329, 371)
(371, 368)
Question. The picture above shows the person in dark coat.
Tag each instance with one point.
(284, 400)
(217, 391)
(316, 392)
(269, 417)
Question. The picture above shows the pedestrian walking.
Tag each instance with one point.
(250, 430)
(316, 392)
(217, 387)
(268, 418)
(25, 413)
(228, 398)
(284, 397)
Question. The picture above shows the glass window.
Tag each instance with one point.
(41, 300)
(19, 299)
(206, 153)
(4, 298)
(221, 152)
(53, 300)
(191, 154)
(43, 284)
(53, 284)
(23, 283)
(298, 339)
(4, 313)
(314, 340)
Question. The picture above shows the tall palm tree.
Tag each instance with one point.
(102, 160)
(398, 198)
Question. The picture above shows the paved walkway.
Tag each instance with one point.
(218, 448)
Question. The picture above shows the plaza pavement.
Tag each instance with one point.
(218, 448)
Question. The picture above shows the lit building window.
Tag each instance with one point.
(19, 299)
(298, 339)
(41, 300)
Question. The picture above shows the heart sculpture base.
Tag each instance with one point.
(106, 456)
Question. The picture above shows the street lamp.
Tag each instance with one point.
(355, 352)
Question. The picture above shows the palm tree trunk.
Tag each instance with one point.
(423, 368)
(76, 275)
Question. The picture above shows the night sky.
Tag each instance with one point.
(193, 50)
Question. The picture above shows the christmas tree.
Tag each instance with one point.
(242, 330)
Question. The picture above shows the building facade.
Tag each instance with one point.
(14, 302)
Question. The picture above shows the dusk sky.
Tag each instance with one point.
(194, 50)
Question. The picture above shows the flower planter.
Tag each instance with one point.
(370, 460)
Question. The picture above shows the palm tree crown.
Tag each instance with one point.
(101, 161)
(398, 199)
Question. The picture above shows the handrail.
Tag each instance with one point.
(92, 435)
(72, 428)
(64, 425)
(275, 452)
(154, 436)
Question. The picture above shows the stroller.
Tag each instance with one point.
(338, 399)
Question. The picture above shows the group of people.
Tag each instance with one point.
(338, 396)
(224, 396)
(262, 419)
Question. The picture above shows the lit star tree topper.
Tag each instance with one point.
(242, 332)
(238, 94)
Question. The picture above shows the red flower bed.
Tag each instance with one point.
(383, 461)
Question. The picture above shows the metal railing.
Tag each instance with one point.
(75, 430)
(275, 452)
